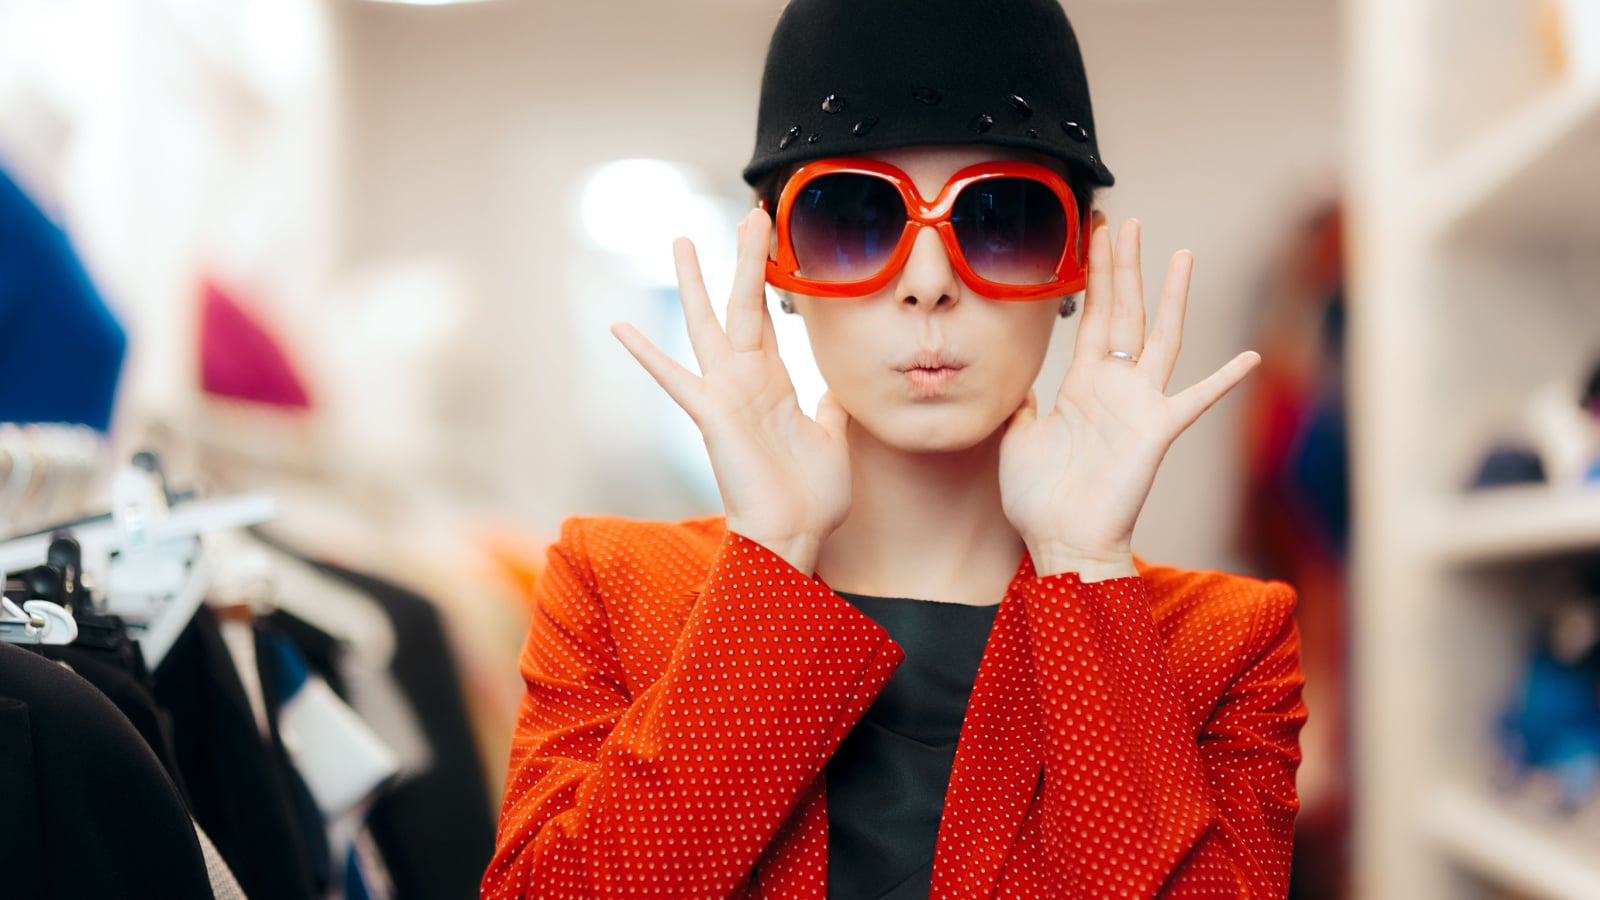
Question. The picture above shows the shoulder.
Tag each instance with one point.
(615, 550)
(63, 708)
(1218, 619)
(628, 585)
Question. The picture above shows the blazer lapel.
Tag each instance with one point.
(999, 759)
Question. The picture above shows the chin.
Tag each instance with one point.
(932, 430)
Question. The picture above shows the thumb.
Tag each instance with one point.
(831, 416)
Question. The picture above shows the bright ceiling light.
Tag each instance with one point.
(635, 207)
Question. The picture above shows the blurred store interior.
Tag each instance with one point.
(327, 284)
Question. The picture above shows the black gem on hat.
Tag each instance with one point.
(865, 126)
(1020, 105)
(980, 123)
(789, 137)
(811, 138)
(1075, 131)
(927, 96)
(1033, 132)
(833, 103)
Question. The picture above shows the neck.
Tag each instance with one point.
(923, 525)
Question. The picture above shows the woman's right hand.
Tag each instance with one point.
(784, 477)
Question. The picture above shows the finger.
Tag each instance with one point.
(705, 332)
(1198, 398)
(1090, 344)
(831, 416)
(1126, 329)
(1166, 337)
(747, 306)
(769, 333)
(682, 385)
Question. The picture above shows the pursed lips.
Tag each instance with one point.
(931, 373)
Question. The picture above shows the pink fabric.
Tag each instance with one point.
(240, 359)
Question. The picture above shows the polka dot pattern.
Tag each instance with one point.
(1127, 738)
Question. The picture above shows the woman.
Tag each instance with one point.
(917, 657)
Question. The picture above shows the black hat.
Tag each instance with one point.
(847, 76)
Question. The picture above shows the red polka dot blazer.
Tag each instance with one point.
(1128, 738)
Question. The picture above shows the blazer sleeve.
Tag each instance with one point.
(1139, 795)
(676, 790)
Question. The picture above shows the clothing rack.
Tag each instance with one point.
(98, 538)
(382, 748)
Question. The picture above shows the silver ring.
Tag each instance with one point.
(1122, 355)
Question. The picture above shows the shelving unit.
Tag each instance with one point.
(1513, 523)
(1473, 208)
(1531, 178)
(1518, 851)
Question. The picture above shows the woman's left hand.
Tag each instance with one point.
(1073, 480)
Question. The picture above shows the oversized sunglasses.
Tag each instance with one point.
(845, 228)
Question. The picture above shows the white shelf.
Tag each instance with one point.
(1467, 267)
(1534, 178)
(1505, 524)
(1511, 849)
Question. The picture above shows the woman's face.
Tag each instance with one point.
(926, 365)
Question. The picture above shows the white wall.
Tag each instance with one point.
(467, 128)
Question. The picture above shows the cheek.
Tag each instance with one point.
(842, 348)
(1027, 332)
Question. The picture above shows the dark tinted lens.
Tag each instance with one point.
(845, 227)
(1011, 230)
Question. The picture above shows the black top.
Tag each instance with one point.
(886, 783)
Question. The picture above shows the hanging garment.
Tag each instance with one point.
(61, 349)
(85, 808)
(342, 762)
(119, 674)
(1294, 521)
(240, 359)
(224, 886)
(434, 827)
(246, 795)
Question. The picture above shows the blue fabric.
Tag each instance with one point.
(355, 883)
(283, 674)
(61, 350)
(289, 670)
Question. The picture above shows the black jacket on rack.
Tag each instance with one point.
(246, 794)
(434, 829)
(86, 809)
(112, 663)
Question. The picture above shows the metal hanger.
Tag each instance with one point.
(36, 621)
(145, 559)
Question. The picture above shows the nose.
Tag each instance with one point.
(928, 280)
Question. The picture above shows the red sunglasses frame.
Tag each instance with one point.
(1070, 273)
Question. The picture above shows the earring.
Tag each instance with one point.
(1069, 305)
(786, 304)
